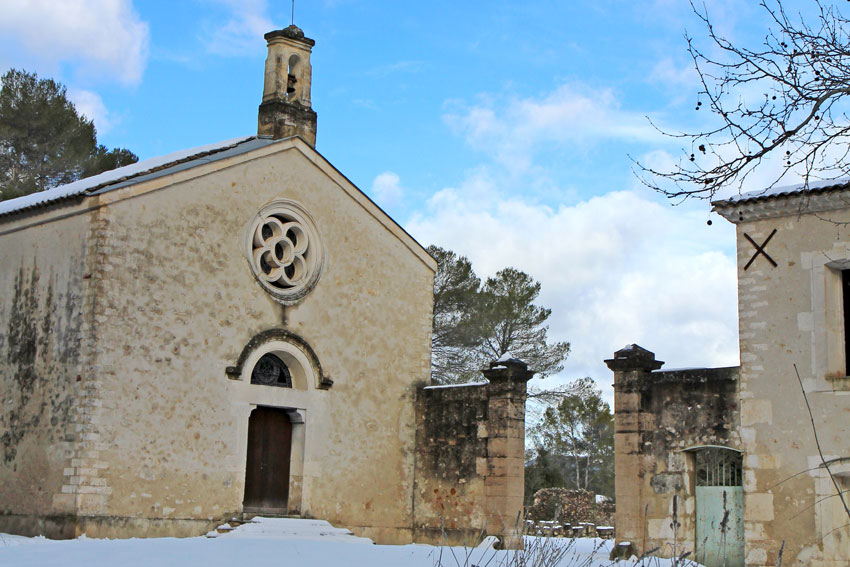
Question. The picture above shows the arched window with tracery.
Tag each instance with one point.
(271, 371)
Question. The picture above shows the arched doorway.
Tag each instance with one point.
(268, 458)
(719, 507)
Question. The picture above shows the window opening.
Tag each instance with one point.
(271, 371)
(845, 296)
(285, 251)
(291, 77)
(718, 467)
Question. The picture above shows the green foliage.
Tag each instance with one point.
(44, 142)
(580, 430)
(516, 325)
(475, 324)
(457, 327)
(101, 160)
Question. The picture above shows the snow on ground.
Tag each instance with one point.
(279, 541)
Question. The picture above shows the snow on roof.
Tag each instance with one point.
(137, 172)
(464, 385)
(786, 190)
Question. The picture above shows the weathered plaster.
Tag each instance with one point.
(164, 301)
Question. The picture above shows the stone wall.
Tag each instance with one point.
(45, 332)
(791, 321)
(470, 458)
(658, 415)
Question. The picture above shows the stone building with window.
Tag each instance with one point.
(236, 329)
(731, 453)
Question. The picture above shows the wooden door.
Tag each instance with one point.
(267, 469)
(719, 508)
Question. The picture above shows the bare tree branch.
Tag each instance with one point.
(785, 100)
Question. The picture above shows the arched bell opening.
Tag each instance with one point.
(292, 74)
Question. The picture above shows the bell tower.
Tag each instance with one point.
(285, 110)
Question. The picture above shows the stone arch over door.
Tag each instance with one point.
(293, 349)
(275, 411)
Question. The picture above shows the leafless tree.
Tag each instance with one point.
(785, 101)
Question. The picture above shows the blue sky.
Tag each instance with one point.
(501, 130)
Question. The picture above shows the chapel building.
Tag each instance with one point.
(231, 330)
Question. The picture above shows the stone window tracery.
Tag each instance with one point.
(285, 251)
(271, 371)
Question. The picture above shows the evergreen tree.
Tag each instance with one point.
(475, 324)
(44, 142)
(542, 470)
(515, 324)
(457, 327)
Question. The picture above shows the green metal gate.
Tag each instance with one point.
(719, 508)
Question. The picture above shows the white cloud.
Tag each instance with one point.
(683, 77)
(90, 105)
(98, 37)
(511, 129)
(387, 190)
(242, 31)
(615, 269)
(620, 267)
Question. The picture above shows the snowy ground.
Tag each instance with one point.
(306, 543)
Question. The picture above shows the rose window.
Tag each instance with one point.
(285, 251)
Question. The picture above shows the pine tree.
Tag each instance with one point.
(516, 325)
(475, 324)
(44, 142)
(457, 326)
(581, 429)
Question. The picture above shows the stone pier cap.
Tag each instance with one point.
(632, 358)
(508, 368)
(633, 365)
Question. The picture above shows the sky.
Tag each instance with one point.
(504, 131)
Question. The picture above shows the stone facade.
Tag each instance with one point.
(155, 315)
(791, 319)
(794, 317)
(125, 407)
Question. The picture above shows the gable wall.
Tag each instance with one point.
(182, 303)
(176, 304)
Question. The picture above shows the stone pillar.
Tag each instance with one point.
(505, 482)
(631, 366)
